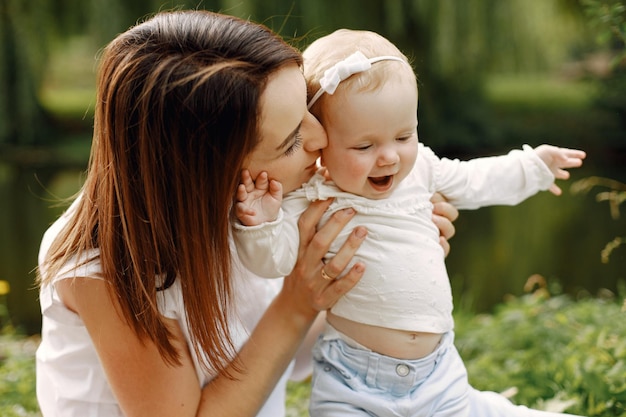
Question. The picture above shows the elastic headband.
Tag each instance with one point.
(355, 63)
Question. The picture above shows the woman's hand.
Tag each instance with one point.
(444, 214)
(314, 291)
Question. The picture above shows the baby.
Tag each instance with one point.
(388, 346)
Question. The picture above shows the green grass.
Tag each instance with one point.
(17, 375)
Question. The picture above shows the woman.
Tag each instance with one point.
(146, 309)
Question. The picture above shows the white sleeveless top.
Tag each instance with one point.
(70, 379)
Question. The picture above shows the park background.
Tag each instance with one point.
(493, 75)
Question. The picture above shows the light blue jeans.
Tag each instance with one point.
(350, 381)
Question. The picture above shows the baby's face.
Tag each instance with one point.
(372, 138)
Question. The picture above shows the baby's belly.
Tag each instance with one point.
(399, 344)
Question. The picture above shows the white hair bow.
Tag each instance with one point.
(355, 63)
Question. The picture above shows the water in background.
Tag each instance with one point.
(28, 198)
(494, 252)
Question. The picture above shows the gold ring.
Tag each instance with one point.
(326, 276)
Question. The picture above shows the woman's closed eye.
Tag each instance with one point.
(297, 144)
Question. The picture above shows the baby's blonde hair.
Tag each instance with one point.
(330, 49)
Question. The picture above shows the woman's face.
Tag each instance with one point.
(291, 137)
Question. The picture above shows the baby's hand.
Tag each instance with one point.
(557, 159)
(257, 201)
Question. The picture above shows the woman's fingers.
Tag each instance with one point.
(308, 221)
(335, 266)
(444, 214)
(443, 208)
(324, 289)
(327, 234)
(333, 289)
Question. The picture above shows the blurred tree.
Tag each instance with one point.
(608, 18)
(23, 47)
(453, 44)
(29, 30)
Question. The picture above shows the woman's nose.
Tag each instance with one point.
(313, 134)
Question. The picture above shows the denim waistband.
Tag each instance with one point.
(397, 376)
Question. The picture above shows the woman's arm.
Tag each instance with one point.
(146, 385)
(304, 361)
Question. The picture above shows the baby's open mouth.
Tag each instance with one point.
(381, 182)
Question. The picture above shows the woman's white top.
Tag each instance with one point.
(70, 379)
(405, 285)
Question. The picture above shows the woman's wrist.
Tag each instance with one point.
(296, 310)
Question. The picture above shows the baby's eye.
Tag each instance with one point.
(297, 144)
(362, 147)
(405, 138)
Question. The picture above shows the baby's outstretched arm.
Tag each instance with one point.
(258, 201)
(558, 159)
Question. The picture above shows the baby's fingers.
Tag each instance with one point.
(276, 189)
(561, 174)
(555, 189)
(262, 182)
(242, 193)
(242, 211)
(571, 158)
(246, 180)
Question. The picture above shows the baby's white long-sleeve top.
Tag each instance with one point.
(405, 285)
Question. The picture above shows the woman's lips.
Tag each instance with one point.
(312, 167)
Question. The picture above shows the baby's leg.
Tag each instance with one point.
(491, 404)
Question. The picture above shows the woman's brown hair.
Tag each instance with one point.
(177, 111)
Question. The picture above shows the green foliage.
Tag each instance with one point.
(17, 376)
(608, 17)
(555, 352)
(298, 399)
(17, 368)
(615, 195)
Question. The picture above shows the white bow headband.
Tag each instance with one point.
(355, 63)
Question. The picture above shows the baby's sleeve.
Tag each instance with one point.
(497, 180)
(269, 249)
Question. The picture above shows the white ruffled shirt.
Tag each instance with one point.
(405, 285)
(70, 379)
